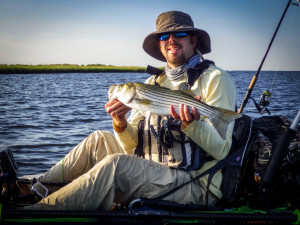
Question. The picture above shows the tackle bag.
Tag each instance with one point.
(284, 182)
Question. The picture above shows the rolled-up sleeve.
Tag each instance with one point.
(128, 139)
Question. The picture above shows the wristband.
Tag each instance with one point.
(117, 128)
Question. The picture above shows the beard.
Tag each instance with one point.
(175, 58)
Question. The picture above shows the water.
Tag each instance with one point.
(43, 116)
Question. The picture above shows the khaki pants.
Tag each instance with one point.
(102, 173)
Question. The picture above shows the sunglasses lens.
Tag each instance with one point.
(180, 35)
(164, 37)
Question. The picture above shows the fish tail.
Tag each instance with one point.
(222, 121)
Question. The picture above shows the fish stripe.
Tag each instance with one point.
(174, 98)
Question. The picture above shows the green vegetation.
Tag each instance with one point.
(67, 68)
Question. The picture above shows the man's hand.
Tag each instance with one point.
(117, 110)
(185, 115)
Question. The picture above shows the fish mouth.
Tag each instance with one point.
(111, 91)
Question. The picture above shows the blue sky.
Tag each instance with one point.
(112, 32)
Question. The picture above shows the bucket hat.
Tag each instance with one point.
(174, 21)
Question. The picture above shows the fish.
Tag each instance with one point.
(156, 100)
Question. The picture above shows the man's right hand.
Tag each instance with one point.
(117, 110)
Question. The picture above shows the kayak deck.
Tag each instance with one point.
(150, 216)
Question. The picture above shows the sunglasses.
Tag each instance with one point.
(165, 37)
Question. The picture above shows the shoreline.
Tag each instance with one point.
(67, 68)
(90, 68)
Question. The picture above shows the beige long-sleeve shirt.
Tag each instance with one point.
(216, 88)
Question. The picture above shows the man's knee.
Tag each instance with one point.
(123, 163)
(101, 133)
(116, 159)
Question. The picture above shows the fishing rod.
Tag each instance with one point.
(272, 170)
(255, 77)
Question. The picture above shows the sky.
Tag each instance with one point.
(111, 32)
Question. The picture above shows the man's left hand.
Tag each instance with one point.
(185, 115)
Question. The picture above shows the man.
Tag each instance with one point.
(103, 168)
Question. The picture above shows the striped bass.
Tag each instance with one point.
(157, 100)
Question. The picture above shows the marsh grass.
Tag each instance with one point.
(67, 68)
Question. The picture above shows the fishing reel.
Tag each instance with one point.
(295, 4)
(263, 102)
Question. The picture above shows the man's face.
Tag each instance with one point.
(177, 50)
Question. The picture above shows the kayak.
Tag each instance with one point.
(285, 198)
(243, 215)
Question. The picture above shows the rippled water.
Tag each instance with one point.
(43, 116)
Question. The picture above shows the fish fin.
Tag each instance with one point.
(143, 101)
(222, 121)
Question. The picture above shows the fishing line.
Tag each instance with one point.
(255, 77)
(291, 22)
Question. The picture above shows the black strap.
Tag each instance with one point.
(153, 70)
(194, 73)
(139, 150)
(149, 139)
(160, 149)
(211, 171)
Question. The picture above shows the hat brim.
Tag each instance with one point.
(150, 44)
